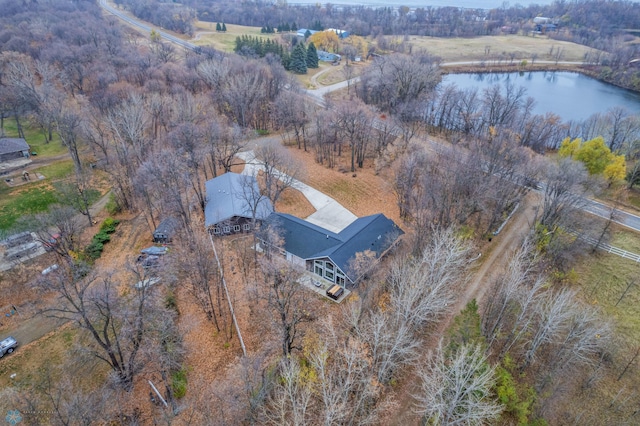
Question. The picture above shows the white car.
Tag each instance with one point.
(7, 346)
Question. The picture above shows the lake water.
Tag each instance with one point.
(572, 96)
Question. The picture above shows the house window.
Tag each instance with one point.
(328, 275)
(236, 228)
(328, 266)
(216, 230)
(318, 267)
(227, 229)
(246, 226)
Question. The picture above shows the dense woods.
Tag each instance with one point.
(158, 122)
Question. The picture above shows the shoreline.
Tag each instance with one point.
(587, 70)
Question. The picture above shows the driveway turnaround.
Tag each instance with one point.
(329, 214)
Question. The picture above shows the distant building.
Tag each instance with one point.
(13, 149)
(232, 201)
(303, 31)
(328, 57)
(339, 33)
(334, 256)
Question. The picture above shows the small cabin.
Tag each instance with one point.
(165, 232)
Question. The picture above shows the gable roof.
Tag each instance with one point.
(167, 226)
(233, 194)
(9, 145)
(308, 241)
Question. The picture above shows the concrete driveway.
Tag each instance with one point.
(329, 213)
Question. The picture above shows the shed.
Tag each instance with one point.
(165, 232)
(13, 149)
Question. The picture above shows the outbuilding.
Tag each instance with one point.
(13, 149)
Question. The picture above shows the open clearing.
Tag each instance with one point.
(473, 49)
(206, 35)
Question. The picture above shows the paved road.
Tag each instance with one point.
(620, 217)
(146, 28)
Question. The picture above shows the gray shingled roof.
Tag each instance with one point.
(9, 145)
(308, 241)
(233, 194)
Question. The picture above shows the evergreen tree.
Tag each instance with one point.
(307, 34)
(218, 27)
(263, 30)
(312, 56)
(286, 61)
(299, 60)
(224, 28)
(294, 27)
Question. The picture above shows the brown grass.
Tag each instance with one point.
(473, 49)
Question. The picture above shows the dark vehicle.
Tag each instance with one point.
(335, 292)
(148, 261)
(7, 346)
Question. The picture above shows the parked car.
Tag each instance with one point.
(50, 269)
(146, 283)
(7, 346)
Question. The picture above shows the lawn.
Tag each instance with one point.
(206, 35)
(35, 138)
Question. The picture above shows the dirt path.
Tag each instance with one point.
(493, 261)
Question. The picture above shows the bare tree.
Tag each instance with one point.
(285, 299)
(280, 169)
(565, 189)
(291, 399)
(118, 326)
(70, 126)
(457, 390)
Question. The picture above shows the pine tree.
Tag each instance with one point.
(294, 27)
(224, 28)
(307, 34)
(218, 27)
(299, 60)
(312, 56)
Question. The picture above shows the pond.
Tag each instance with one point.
(572, 96)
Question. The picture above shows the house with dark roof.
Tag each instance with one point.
(233, 202)
(334, 256)
(13, 149)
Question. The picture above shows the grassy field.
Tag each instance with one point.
(206, 35)
(492, 47)
(35, 138)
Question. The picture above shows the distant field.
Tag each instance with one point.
(473, 49)
(206, 35)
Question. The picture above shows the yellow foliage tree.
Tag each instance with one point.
(617, 170)
(360, 45)
(596, 157)
(569, 147)
(325, 40)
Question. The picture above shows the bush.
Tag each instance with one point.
(109, 225)
(101, 237)
(179, 383)
(112, 205)
(94, 250)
